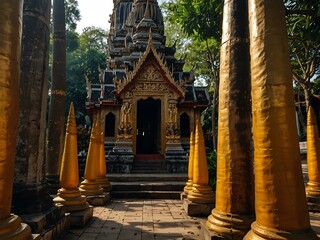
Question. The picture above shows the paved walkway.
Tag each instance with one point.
(134, 219)
(139, 219)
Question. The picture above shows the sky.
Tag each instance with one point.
(95, 13)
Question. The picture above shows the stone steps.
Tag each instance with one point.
(149, 164)
(147, 186)
(146, 194)
(149, 167)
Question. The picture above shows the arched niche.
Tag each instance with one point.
(185, 125)
(110, 125)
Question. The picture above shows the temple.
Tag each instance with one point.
(145, 100)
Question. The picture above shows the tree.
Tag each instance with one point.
(201, 22)
(72, 14)
(303, 25)
(85, 59)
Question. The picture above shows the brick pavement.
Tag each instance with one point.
(139, 219)
(134, 219)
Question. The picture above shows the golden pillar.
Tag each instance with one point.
(69, 195)
(201, 192)
(90, 186)
(10, 46)
(313, 156)
(280, 199)
(102, 178)
(233, 213)
(189, 183)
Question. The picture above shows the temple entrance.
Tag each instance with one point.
(148, 126)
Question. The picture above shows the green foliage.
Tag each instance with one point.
(72, 14)
(200, 19)
(199, 23)
(72, 41)
(84, 59)
(303, 25)
(212, 169)
(195, 28)
(316, 86)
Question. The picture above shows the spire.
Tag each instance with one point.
(201, 192)
(69, 195)
(147, 11)
(90, 185)
(313, 156)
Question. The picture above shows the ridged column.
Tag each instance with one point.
(313, 156)
(30, 190)
(102, 178)
(56, 113)
(90, 186)
(201, 191)
(232, 216)
(189, 183)
(10, 46)
(69, 195)
(280, 199)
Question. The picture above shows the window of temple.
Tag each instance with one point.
(185, 125)
(110, 125)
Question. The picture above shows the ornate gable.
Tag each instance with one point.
(150, 74)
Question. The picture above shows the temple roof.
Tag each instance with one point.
(136, 37)
(122, 85)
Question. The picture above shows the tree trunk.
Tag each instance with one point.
(29, 188)
(56, 122)
(214, 98)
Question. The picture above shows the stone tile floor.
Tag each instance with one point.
(133, 219)
(139, 219)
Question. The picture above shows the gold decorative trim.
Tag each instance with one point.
(120, 86)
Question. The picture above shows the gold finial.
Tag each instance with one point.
(313, 156)
(90, 185)
(102, 178)
(69, 172)
(201, 192)
(69, 195)
(189, 183)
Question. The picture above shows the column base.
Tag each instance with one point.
(197, 209)
(313, 189)
(104, 183)
(188, 186)
(209, 235)
(51, 224)
(258, 232)
(71, 200)
(228, 226)
(12, 228)
(98, 200)
(90, 188)
(80, 218)
(201, 194)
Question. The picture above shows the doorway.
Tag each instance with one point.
(148, 126)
